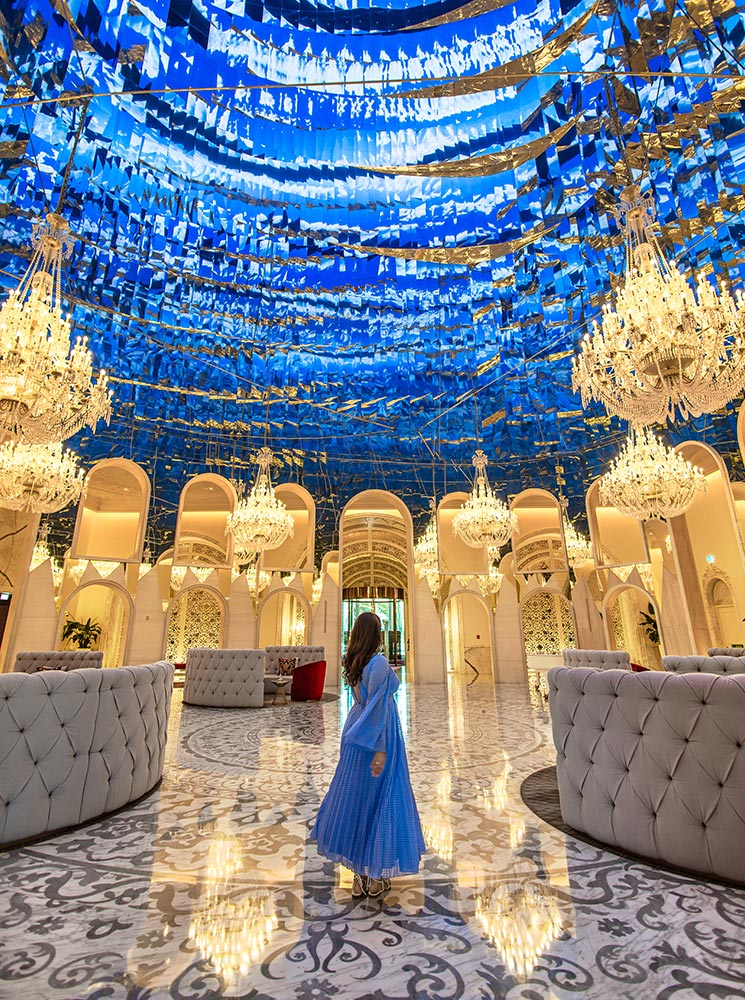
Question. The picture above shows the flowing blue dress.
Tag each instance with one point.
(369, 824)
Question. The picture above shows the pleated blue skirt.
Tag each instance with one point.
(371, 825)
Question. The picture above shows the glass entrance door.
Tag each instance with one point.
(392, 616)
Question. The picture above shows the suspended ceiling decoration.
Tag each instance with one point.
(336, 226)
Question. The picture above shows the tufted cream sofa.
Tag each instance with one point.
(225, 678)
(654, 763)
(704, 664)
(73, 659)
(598, 659)
(76, 745)
(304, 654)
(726, 651)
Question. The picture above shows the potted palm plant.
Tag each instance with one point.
(84, 635)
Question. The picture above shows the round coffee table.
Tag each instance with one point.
(280, 682)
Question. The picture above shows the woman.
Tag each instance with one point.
(368, 820)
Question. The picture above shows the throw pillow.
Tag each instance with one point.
(286, 665)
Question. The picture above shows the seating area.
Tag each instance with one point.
(597, 659)
(77, 744)
(246, 678)
(712, 664)
(73, 659)
(654, 764)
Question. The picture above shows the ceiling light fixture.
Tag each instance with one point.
(661, 347)
(39, 478)
(649, 479)
(484, 519)
(260, 521)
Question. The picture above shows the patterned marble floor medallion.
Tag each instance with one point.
(210, 888)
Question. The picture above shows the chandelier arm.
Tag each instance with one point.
(70, 162)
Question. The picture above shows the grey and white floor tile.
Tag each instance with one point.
(210, 887)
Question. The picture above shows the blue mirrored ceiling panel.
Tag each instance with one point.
(368, 232)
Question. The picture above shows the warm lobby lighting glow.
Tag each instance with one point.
(484, 519)
(648, 479)
(661, 347)
(46, 389)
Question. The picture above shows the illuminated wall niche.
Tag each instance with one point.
(202, 538)
(297, 553)
(112, 516)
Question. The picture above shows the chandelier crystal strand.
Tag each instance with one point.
(46, 388)
(39, 478)
(260, 521)
(484, 519)
(426, 550)
(577, 545)
(661, 348)
(648, 479)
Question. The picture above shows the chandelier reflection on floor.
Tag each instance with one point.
(484, 519)
(39, 478)
(260, 521)
(661, 348)
(649, 479)
(521, 921)
(46, 388)
(230, 928)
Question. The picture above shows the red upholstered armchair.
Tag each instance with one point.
(307, 681)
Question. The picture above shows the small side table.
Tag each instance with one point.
(280, 682)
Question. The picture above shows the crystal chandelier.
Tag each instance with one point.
(521, 921)
(489, 585)
(39, 478)
(484, 519)
(661, 347)
(648, 479)
(46, 388)
(577, 545)
(426, 551)
(260, 521)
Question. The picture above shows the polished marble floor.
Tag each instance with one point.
(209, 888)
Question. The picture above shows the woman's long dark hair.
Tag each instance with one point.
(364, 642)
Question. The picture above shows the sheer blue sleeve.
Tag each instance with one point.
(369, 730)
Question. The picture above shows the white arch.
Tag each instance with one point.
(490, 618)
(143, 481)
(119, 589)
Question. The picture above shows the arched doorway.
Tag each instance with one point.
(284, 619)
(467, 630)
(376, 570)
(547, 623)
(632, 622)
(110, 606)
(196, 619)
(720, 605)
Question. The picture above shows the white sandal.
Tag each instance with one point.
(359, 886)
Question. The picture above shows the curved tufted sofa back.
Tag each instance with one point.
(72, 659)
(726, 651)
(597, 659)
(654, 763)
(225, 678)
(304, 654)
(76, 745)
(704, 664)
